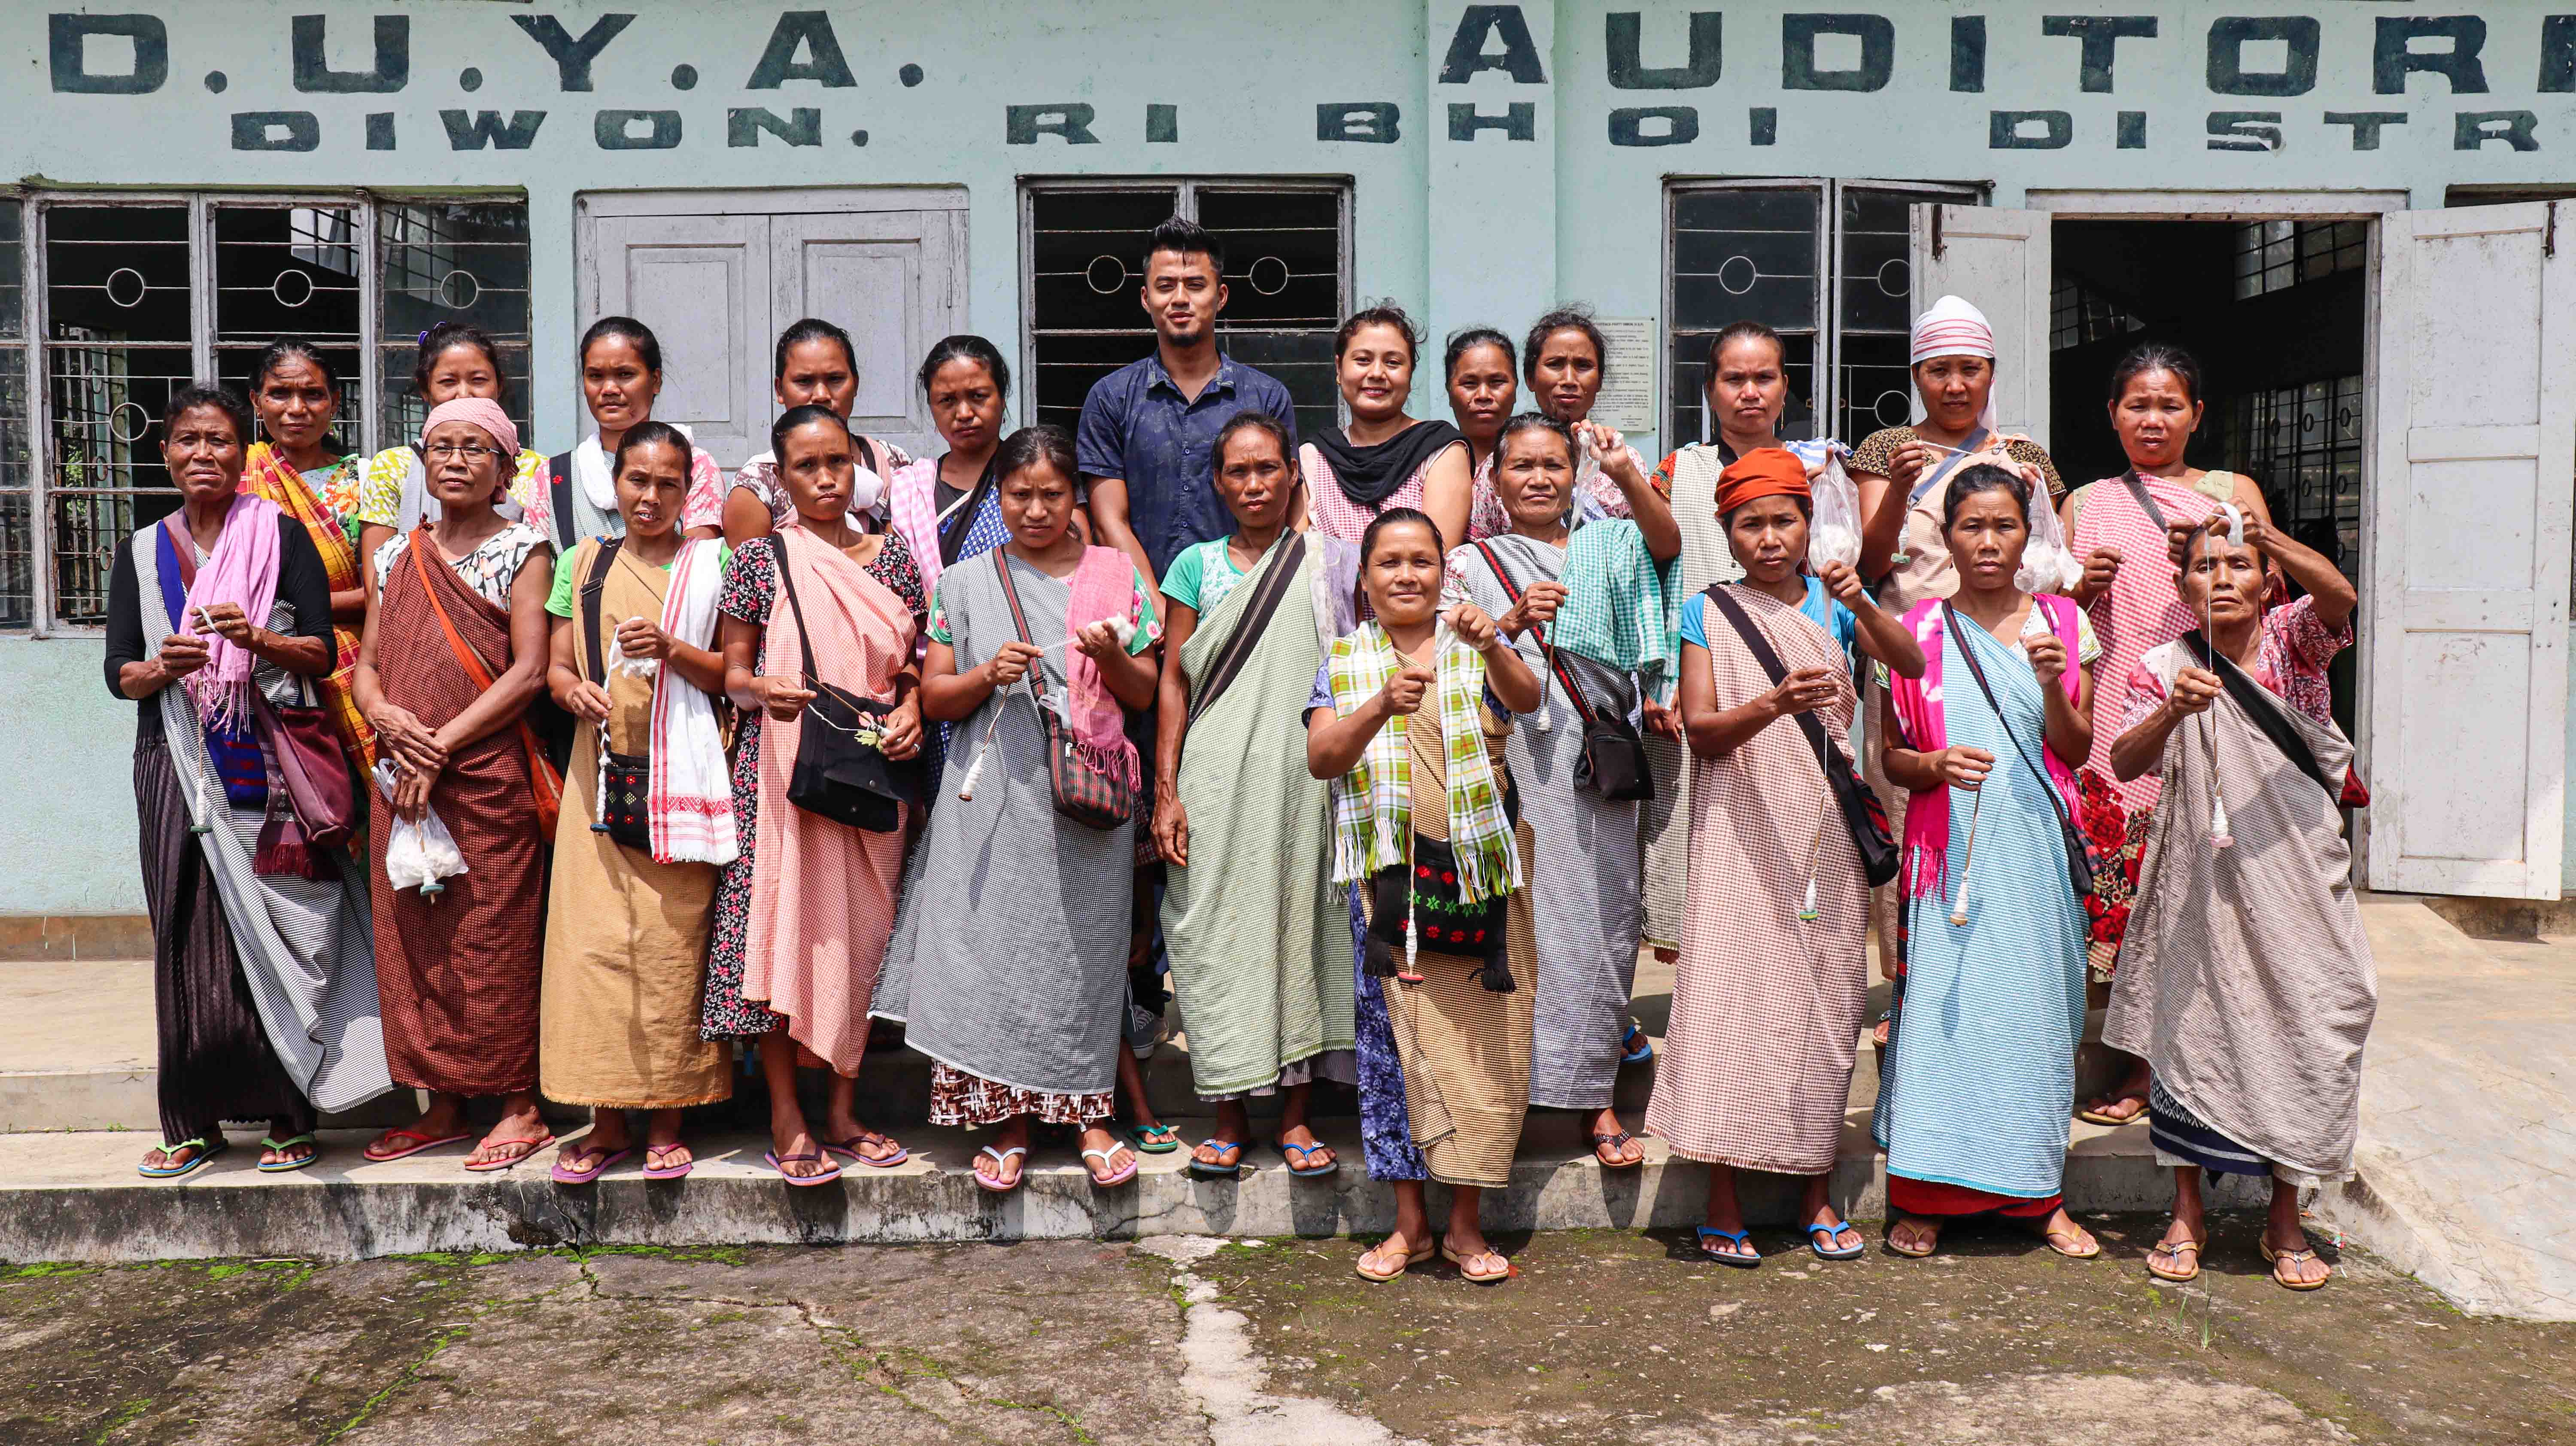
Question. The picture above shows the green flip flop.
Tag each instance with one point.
(282, 1166)
(1155, 1139)
(194, 1163)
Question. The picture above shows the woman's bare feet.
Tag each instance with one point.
(1000, 1164)
(520, 1133)
(1914, 1236)
(1612, 1145)
(2068, 1238)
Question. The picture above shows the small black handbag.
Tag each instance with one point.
(1083, 793)
(840, 773)
(625, 779)
(1613, 764)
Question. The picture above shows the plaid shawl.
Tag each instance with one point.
(1373, 803)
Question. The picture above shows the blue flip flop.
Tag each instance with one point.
(1828, 1232)
(205, 1153)
(1639, 1049)
(1740, 1237)
(1227, 1169)
(1296, 1162)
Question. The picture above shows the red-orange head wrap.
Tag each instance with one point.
(1762, 472)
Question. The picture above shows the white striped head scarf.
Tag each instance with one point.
(1954, 327)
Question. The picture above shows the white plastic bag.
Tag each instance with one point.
(1833, 535)
(2047, 564)
(417, 856)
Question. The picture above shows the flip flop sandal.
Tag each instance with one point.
(1002, 1161)
(420, 1142)
(582, 1175)
(1639, 1049)
(1122, 1177)
(666, 1172)
(780, 1163)
(1155, 1139)
(850, 1147)
(1412, 1258)
(2175, 1251)
(1228, 1169)
(283, 1166)
(1827, 1234)
(2101, 1115)
(1467, 1272)
(1297, 1165)
(2049, 1238)
(2293, 1257)
(1616, 1140)
(190, 1166)
(510, 1161)
(1738, 1260)
(1925, 1253)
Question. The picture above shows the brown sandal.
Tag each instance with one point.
(1412, 1258)
(1467, 1269)
(2301, 1256)
(2173, 1249)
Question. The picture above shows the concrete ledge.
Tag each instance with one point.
(76, 1197)
(74, 936)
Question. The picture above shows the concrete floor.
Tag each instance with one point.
(1604, 1336)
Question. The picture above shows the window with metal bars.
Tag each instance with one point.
(129, 298)
(2303, 444)
(1287, 278)
(2078, 315)
(2277, 255)
(1824, 263)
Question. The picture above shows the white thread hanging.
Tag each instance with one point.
(1967, 858)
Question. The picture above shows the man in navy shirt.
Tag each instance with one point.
(1147, 441)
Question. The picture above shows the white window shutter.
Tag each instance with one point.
(1998, 261)
(2465, 558)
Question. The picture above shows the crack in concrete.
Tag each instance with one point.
(1224, 1375)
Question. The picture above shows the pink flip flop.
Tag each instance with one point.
(778, 1162)
(850, 1147)
(510, 1161)
(564, 1176)
(666, 1172)
(420, 1142)
(1122, 1177)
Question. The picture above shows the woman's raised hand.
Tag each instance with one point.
(228, 621)
(2099, 569)
(1537, 607)
(2194, 690)
(2047, 654)
(782, 698)
(182, 654)
(1964, 767)
(586, 699)
(1842, 580)
(899, 736)
(1405, 691)
(1099, 641)
(1012, 663)
(1473, 627)
(1803, 691)
(643, 638)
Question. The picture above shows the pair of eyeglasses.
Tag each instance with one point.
(470, 451)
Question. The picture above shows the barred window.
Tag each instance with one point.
(109, 304)
(2277, 255)
(1287, 280)
(1823, 263)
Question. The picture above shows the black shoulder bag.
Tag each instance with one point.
(559, 494)
(838, 775)
(2081, 863)
(1863, 814)
(2271, 716)
(1082, 793)
(625, 779)
(1614, 757)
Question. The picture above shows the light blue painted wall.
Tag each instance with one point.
(1485, 229)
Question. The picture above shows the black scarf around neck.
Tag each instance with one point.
(1370, 475)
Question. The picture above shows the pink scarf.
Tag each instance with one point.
(1104, 588)
(1919, 711)
(241, 570)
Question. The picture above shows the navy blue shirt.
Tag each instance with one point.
(1135, 426)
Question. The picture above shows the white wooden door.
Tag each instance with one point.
(1999, 262)
(2465, 555)
(702, 283)
(893, 279)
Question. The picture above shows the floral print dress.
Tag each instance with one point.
(750, 592)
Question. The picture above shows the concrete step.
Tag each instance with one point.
(76, 1197)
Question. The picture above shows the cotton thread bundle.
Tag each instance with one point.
(2220, 837)
(1121, 628)
(1967, 858)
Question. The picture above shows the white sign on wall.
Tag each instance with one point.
(1627, 399)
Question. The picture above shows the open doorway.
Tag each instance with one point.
(2276, 312)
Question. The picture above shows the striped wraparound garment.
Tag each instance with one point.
(1767, 1009)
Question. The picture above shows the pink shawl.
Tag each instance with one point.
(1104, 588)
(241, 570)
(1919, 711)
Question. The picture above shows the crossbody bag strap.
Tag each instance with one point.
(592, 584)
(1932, 476)
(804, 639)
(559, 489)
(1828, 757)
(1020, 625)
(962, 512)
(2146, 500)
(1556, 665)
(2267, 711)
(466, 658)
(1285, 564)
(2048, 785)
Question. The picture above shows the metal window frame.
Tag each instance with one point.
(35, 202)
(1185, 204)
(1829, 192)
